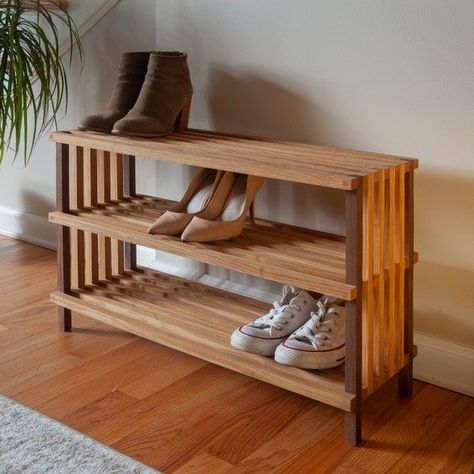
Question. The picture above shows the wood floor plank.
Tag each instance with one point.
(172, 366)
(457, 418)
(191, 393)
(218, 420)
(204, 462)
(183, 415)
(38, 373)
(107, 406)
(413, 422)
(49, 391)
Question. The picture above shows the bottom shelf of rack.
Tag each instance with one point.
(198, 320)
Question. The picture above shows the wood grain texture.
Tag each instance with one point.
(367, 268)
(63, 232)
(129, 188)
(310, 164)
(197, 320)
(116, 194)
(198, 420)
(48, 4)
(311, 260)
(406, 375)
(354, 274)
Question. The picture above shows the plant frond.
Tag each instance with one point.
(33, 78)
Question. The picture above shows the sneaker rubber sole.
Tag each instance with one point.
(253, 344)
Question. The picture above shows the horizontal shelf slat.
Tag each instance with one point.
(277, 252)
(289, 161)
(198, 320)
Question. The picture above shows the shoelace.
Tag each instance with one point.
(318, 329)
(278, 316)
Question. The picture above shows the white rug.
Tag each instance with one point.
(33, 443)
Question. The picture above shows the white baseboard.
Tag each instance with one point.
(444, 363)
(439, 362)
(28, 227)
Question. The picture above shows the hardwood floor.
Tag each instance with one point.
(179, 414)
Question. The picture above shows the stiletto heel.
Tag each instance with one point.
(251, 216)
(230, 223)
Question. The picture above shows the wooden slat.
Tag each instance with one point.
(310, 164)
(353, 362)
(381, 309)
(90, 177)
(48, 4)
(91, 200)
(104, 175)
(116, 192)
(77, 203)
(393, 238)
(176, 321)
(318, 265)
(401, 269)
(368, 316)
(104, 197)
(129, 189)
(116, 176)
(63, 233)
(405, 380)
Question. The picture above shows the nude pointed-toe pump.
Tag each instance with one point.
(198, 194)
(230, 223)
(207, 193)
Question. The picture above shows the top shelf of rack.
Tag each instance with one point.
(289, 161)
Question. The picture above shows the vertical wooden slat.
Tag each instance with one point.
(401, 266)
(77, 203)
(116, 193)
(369, 343)
(103, 172)
(116, 176)
(104, 196)
(381, 272)
(405, 381)
(63, 234)
(105, 258)
(129, 188)
(392, 273)
(365, 276)
(90, 200)
(353, 365)
(90, 173)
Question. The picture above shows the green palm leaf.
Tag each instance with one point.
(33, 81)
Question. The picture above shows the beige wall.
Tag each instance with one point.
(393, 77)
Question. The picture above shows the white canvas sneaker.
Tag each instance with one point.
(320, 343)
(263, 335)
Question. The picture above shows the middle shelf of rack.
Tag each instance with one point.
(197, 319)
(278, 252)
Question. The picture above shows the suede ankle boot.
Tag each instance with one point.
(128, 84)
(164, 99)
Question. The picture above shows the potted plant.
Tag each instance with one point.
(32, 74)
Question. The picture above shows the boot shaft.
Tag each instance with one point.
(169, 67)
(133, 67)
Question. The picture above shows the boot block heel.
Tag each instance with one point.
(183, 117)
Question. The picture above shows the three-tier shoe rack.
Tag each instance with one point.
(101, 219)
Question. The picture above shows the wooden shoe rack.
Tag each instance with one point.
(101, 219)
